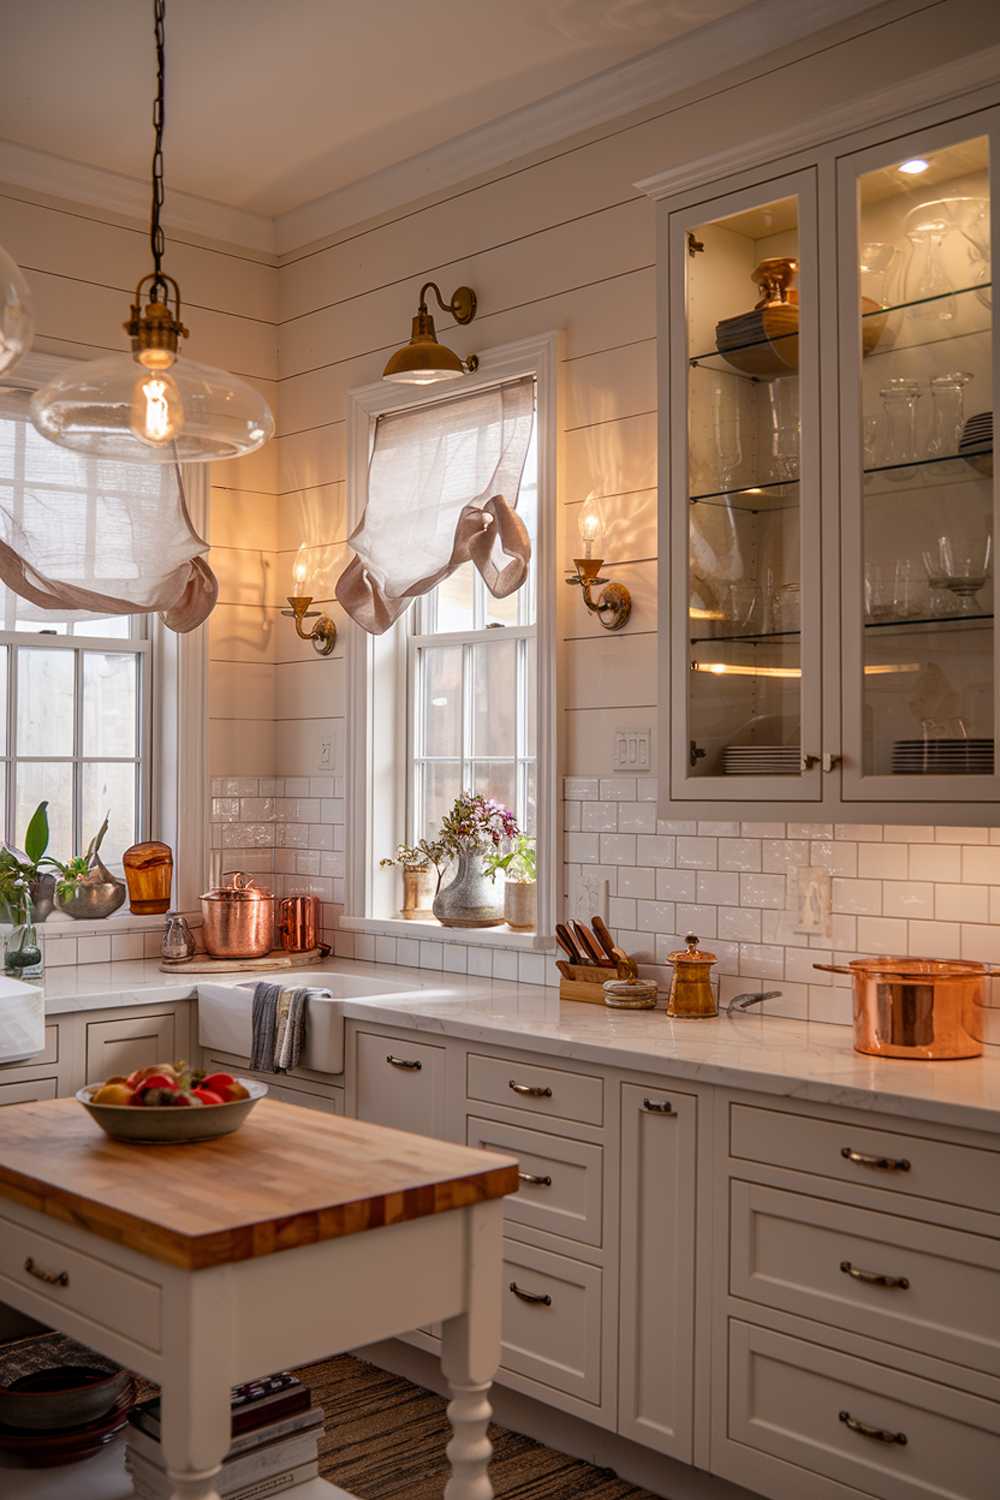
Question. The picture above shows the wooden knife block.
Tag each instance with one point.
(586, 982)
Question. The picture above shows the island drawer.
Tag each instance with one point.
(544, 1091)
(59, 1277)
(400, 1083)
(927, 1288)
(560, 1180)
(867, 1156)
(858, 1423)
(28, 1090)
(552, 1320)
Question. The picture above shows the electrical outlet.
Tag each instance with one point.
(633, 750)
(325, 760)
(589, 897)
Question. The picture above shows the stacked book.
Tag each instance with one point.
(275, 1442)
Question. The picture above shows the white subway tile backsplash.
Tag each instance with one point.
(481, 962)
(964, 903)
(739, 854)
(617, 789)
(583, 848)
(947, 835)
(618, 849)
(762, 890)
(599, 817)
(862, 833)
(646, 788)
(718, 887)
(935, 939)
(721, 829)
(456, 959)
(740, 924)
(657, 916)
(781, 855)
(882, 934)
(656, 849)
(637, 817)
(621, 912)
(937, 862)
(697, 853)
(676, 885)
(572, 816)
(836, 856)
(702, 920)
(981, 863)
(637, 880)
(908, 898)
(580, 788)
(883, 861)
(862, 897)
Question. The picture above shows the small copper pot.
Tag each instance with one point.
(238, 919)
(298, 923)
(691, 993)
(920, 1008)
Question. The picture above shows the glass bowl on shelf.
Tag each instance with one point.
(960, 571)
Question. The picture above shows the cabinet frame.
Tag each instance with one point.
(827, 145)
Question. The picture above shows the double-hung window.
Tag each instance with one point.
(471, 689)
(74, 689)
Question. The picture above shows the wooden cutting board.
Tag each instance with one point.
(279, 959)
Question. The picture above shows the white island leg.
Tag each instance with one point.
(196, 1388)
(471, 1353)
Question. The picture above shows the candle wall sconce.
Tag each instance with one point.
(324, 633)
(613, 605)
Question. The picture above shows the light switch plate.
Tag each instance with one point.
(589, 896)
(633, 751)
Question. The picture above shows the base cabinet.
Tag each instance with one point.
(656, 1336)
(123, 1043)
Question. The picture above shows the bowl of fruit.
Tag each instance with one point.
(170, 1103)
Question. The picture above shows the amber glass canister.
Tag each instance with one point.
(149, 874)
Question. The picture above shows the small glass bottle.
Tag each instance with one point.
(22, 952)
(149, 873)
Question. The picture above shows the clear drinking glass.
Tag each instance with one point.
(727, 428)
(947, 410)
(783, 422)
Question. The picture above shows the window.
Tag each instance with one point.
(74, 696)
(461, 691)
(470, 683)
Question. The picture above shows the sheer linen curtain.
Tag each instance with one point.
(96, 535)
(442, 491)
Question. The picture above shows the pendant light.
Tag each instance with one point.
(153, 406)
(17, 325)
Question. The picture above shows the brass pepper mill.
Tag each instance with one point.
(691, 992)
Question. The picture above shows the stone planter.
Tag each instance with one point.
(472, 899)
(95, 895)
(520, 905)
(418, 892)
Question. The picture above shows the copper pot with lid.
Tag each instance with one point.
(920, 1008)
(238, 918)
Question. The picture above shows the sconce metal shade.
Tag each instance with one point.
(423, 361)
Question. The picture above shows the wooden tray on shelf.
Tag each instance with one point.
(280, 958)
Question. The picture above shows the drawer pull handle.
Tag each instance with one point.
(533, 1181)
(655, 1107)
(411, 1064)
(530, 1090)
(538, 1299)
(880, 1434)
(883, 1163)
(875, 1278)
(51, 1278)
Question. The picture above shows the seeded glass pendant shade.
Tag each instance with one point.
(17, 324)
(153, 407)
(187, 413)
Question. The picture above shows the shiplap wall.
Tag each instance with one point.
(562, 241)
(82, 268)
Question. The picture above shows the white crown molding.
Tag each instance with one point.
(22, 166)
(655, 76)
(958, 78)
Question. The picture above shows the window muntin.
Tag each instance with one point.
(471, 675)
(74, 697)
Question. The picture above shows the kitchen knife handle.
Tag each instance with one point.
(565, 940)
(590, 946)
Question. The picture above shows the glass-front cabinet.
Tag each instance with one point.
(920, 659)
(745, 525)
(828, 504)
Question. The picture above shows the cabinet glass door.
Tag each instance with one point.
(744, 514)
(920, 716)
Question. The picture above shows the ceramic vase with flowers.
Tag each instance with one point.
(475, 828)
(421, 866)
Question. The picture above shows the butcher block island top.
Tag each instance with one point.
(290, 1177)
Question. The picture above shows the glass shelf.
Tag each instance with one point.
(714, 359)
(780, 494)
(925, 473)
(920, 626)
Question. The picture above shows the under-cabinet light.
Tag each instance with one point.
(738, 669)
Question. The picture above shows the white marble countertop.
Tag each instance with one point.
(791, 1059)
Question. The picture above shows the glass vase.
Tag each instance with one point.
(22, 952)
(948, 410)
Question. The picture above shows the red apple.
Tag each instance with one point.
(207, 1096)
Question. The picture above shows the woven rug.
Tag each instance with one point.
(385, 1440)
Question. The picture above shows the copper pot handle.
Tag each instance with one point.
(833, 969)
(990, 971)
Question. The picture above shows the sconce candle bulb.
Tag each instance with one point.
(614, 604)
(324, 633)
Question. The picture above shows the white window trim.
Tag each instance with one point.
(537, 357)
(178, 774)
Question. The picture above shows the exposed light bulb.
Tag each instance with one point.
(300, 570)
(157, 410)
(914, 166)
(590, 524)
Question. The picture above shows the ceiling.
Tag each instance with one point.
(273, 103)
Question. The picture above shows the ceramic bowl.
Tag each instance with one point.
(62, 1397)
(168, 1124)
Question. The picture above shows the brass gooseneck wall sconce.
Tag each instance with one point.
(324, 633)
(423, 361)
(613, 606)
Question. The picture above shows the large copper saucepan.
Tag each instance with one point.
(238, 918)
(916, 1007)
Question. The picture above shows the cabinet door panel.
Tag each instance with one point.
(28, 1091)
(657, 1269)
(400, 1083)
(122, 1044)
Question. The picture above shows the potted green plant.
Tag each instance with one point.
(41, 885)
(475, 827)
(520, 893)
(419, 864)
(86, 888)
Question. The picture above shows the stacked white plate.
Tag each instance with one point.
(955, 757)
(976, 443)
(761, 760)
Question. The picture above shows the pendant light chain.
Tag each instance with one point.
(157, 239)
